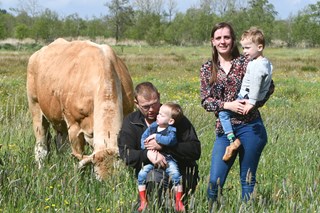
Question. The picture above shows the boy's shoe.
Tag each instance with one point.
(231, 150)
(179, 204)
(143, 201)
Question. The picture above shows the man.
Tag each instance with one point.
(186, 152)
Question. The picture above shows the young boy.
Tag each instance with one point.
(165, 134)
(255, 83)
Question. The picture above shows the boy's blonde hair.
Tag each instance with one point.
(256, 35)
(176, 111)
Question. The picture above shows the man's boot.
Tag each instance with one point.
(231, 150)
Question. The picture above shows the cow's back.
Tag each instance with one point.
(63, 77)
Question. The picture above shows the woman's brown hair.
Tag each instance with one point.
(234, 51)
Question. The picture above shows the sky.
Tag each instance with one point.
(96, 8)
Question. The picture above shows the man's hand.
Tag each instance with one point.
(152, 145)
(157, 159)
(150, 137)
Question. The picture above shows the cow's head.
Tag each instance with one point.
(103, 162)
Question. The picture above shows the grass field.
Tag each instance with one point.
(288, 175)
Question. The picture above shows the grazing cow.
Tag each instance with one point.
(83, 90)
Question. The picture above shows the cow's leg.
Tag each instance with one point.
(61, 141)
(77, 141)
(40, 128)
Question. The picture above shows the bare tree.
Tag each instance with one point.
(31, 7)
(206, 6)
(149, 6)
(172, 7)
(158, 6)
(120, 16)
(221, 7)
(241, 4)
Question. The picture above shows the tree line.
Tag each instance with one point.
(158, 22)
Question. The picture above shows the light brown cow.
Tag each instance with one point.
(83, 89)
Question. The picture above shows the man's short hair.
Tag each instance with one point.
(145, 89)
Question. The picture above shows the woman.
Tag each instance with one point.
(220, 80)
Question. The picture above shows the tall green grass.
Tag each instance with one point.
(288, 175)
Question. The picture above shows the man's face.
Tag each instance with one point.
(149, 107)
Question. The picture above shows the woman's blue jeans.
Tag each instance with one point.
(253, 137)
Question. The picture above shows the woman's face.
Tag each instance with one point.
(222, 41)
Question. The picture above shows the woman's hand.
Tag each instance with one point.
(247, 107)
(157, 159)
(236, 106)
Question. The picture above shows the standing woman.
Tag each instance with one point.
(220, 80)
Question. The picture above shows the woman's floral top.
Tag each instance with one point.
(226, 89)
